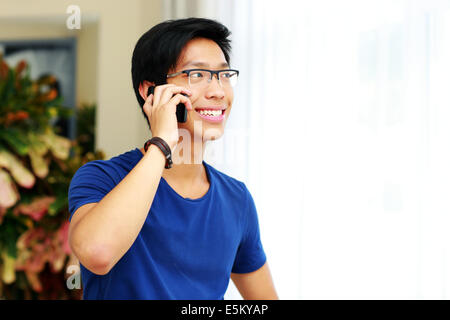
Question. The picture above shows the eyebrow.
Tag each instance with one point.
(203, 64)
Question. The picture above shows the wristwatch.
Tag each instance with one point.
(163, 146)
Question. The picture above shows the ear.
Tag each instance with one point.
(143, 88)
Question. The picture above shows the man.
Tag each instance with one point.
(143, 228)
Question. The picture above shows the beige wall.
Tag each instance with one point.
(87, 64)
(109, 31)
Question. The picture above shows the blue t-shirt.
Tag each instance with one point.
(186, 249)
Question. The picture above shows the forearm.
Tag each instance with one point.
(109, 229)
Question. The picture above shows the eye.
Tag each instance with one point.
(196, 74)
(228, 74)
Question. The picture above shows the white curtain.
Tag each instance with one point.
(341, 130)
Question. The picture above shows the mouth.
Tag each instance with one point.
(212, 114)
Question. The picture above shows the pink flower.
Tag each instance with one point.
(36, 209)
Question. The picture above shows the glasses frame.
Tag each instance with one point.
(211, 72)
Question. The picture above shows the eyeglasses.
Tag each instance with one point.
(202, 77)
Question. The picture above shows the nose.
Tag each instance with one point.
(214, 88)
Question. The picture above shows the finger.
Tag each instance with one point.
(169, 92)
(148, 105)
(158, 91)
(179, 98)
(149, 98)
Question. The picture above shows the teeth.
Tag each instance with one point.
(213, 113)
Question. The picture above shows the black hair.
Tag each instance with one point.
(157, 50)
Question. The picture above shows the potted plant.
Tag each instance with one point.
(36, 167)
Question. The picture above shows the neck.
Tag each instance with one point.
(187, 162)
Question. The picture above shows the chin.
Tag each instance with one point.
(212, 133)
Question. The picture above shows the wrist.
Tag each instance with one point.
(168, 139)
(163, 147)
(155, 153)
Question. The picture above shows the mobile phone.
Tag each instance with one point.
(181, 108)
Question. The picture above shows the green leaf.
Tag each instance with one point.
(16, 140)
(7, 88)
(56, 206)
(10, 231)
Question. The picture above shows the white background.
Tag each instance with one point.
(341, 131)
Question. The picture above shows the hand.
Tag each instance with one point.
(160, 109)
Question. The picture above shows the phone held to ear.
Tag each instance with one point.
(181, 108)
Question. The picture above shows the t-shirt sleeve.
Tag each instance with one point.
(250, 255)
(89, 184)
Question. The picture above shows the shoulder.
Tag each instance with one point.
(110, 170)
(233, 188)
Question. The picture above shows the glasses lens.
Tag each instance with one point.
(197, 76)
(200, 77)
(228, 78)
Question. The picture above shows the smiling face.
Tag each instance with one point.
(211, 102)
